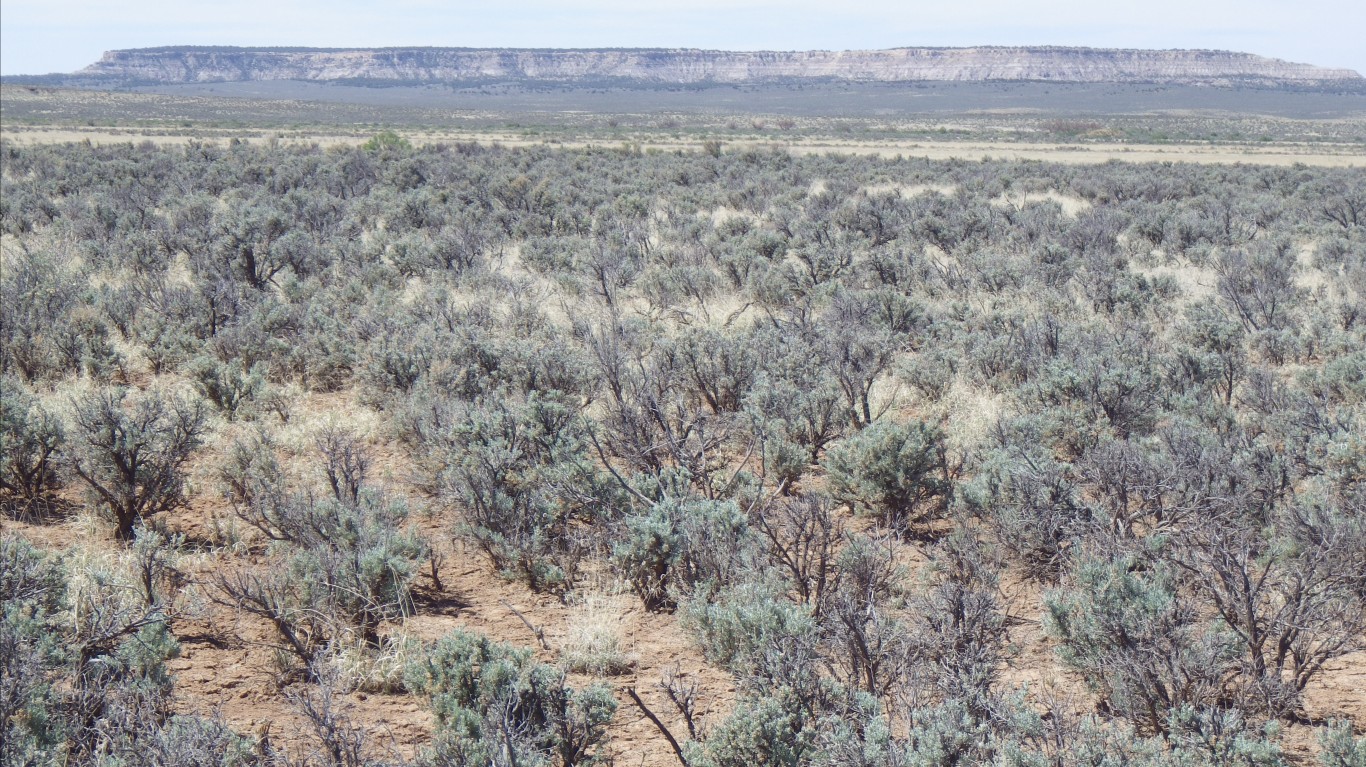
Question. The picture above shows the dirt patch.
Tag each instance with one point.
(910, 190)
(1071, 205)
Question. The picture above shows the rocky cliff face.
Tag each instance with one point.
(689, 66)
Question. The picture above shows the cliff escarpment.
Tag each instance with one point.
(692, 67)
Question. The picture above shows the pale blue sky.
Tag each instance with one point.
(41, 36)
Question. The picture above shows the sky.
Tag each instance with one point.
(43, 36)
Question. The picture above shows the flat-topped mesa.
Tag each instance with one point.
(690, 66)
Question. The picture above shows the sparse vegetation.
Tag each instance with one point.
(872, 441)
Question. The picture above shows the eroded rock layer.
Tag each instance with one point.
(691, 66)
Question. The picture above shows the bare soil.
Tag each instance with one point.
(227, 662)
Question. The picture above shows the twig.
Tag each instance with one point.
(602, 454)
(540, 633)
(669, 736)
(436, 561)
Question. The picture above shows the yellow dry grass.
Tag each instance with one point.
(1280, 154)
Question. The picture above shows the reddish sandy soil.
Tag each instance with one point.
(227, 662)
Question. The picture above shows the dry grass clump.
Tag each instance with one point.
(970, 410)
(594, 643)
(363, 668)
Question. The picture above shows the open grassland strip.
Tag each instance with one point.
(1278, 154)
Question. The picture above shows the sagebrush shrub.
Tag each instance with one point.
(130, 449)
(896, 472)
(494, 702)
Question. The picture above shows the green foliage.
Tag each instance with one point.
(897, 472)
(789, 714)
(1214, 736)
(340, 565)
(799, 406)
(337, 571)
(677, 546)
(658, 363)
(83, 675)
(228, 385)
(957, 637)
(948, 734)
(1141, 647)
(356, 562)
(761, 731)
(1339, 748)
(193, 741)
(524, 474)
(131, 449)
(1258, 283)
(1218, 352)
(736, 627)
(1107, 383)
(496, 704)
(30, 438)
(46, 329)
(31, 592)
(386, 140)
(1029, 498)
